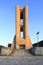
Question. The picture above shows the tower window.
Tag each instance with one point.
(21, 20)
(21, 34)
(21, 17)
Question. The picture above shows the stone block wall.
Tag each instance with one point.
(37, 50)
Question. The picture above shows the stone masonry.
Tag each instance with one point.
(22, 14)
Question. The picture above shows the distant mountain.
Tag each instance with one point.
(40, 44)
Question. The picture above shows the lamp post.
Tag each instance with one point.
(37, 37)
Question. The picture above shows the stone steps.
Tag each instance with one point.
(20, 52)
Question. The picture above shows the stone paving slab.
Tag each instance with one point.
(21, 60)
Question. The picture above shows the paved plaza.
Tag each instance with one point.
(21, 60)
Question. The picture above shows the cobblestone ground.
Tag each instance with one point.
(21, 60)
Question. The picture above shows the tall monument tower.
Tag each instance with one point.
(22, 39)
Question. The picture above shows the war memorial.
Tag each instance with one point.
(21, 27)
(21, 51)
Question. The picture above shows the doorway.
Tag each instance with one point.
(22, 46)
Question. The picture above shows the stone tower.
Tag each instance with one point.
(22, 28)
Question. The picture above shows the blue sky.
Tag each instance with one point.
(7, 19)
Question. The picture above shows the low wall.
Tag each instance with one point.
(37, 50)
(6, 51)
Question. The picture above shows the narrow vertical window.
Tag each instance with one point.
(21, 34)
